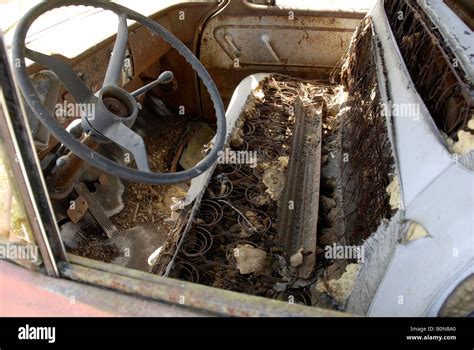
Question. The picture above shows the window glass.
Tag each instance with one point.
(16, 238)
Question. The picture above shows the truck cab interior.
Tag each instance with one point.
(237, 145)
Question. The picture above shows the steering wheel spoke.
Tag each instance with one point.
(74, 84)
(114, 69)
(131, 141)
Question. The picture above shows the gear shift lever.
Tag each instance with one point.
(164, 78)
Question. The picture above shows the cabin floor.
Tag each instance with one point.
(140, 213)
(299, 175)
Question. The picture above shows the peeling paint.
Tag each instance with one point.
(393, 190)
(415, 231)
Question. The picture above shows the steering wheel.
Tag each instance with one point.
(115, 108)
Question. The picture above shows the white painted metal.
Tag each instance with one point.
(438, 193)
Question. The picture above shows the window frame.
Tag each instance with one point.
(29, 181)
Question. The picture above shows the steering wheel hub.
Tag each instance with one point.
(117, 105)
(113, 105)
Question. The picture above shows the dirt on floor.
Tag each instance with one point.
(94, 245)
(144, 205)
(150, 204)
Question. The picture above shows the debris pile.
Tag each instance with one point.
(366, 154)
(150, 204)
(356, 172)
(235, 244)
(433, 68)
(233, 241)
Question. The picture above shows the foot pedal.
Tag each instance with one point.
(77, 209)
(96, 210)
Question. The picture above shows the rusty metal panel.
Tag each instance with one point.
(25, 293)
(207, 300)
(263, 45)
(310, 45)
(302, 42)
